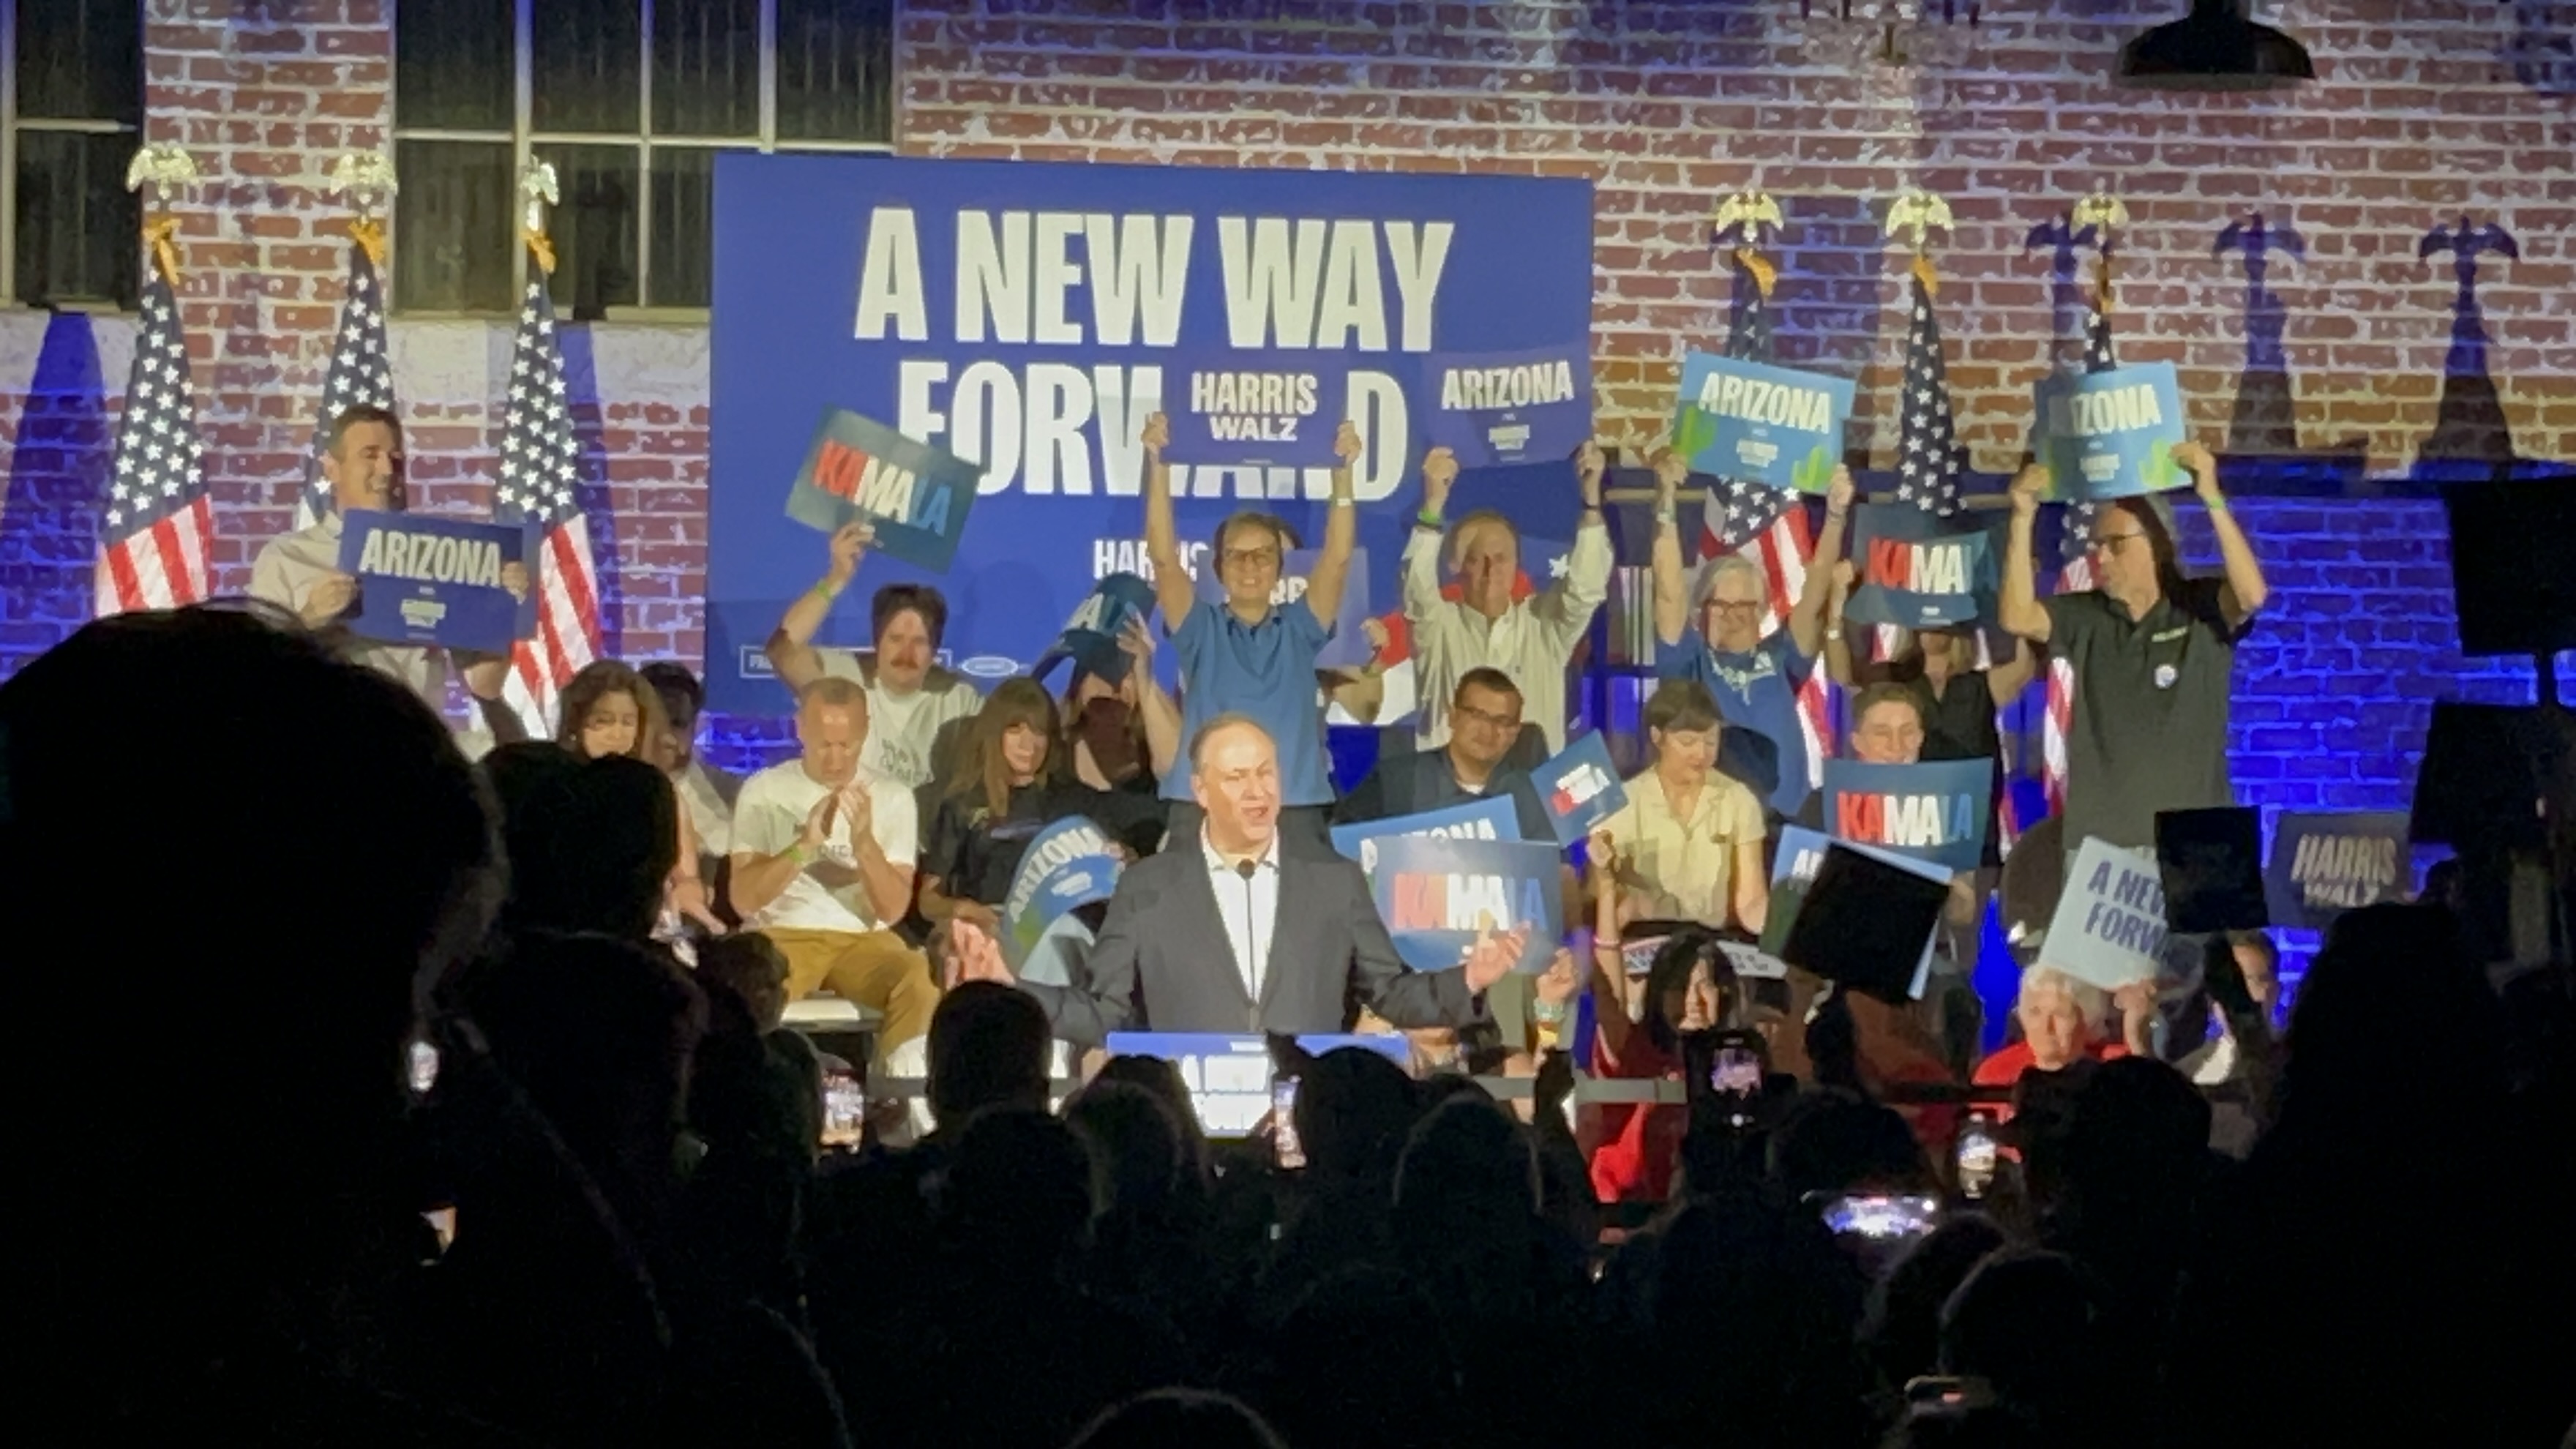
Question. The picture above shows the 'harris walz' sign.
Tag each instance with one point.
(429, 580)
(1512, 407)
(1933, 812)
(912, 494)
(1238, 408)
(2325, 865)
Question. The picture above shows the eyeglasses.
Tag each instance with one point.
(1235, 556)
(1487, 717)
(2110, 542)
(1736, 608)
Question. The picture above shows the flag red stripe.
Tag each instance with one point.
(120, 566)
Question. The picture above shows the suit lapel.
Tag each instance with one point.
(1200, 885)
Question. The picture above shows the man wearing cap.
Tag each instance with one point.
(2153, 653)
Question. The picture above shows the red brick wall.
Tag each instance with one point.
(2414, 120)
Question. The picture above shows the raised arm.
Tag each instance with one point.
(1105, 1001)
(1672, 585)
(1842, 665)
(1341, 533)
(1154, 705)
(2009, 677)
(1807, 617)
(2245, 591)
(1162, 538)
(1422, 550)
(791, 647)
(1567, 605)
(2017, 607)
(760, 878)
(1609, 970)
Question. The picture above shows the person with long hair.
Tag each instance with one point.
(998, 799)
(1121, 736)
(609, 710)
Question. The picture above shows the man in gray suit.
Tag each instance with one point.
(1242, 931)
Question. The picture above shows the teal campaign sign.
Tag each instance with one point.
(1274, 409)
(1496, 408)
(429, 580)
(1349, 646)
(1918, 570)
(2112, 434)
(1579, 789)
(914, 495)
(1776, 426)
(2325, 865)
(1496, 817)
(1802, 854)
(1438, 893)
(1934, 812)
(1068, 864)
(1090, 637)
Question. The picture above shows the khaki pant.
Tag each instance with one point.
(876, 969)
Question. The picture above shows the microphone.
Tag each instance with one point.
(1251, 926)
(1245, 868)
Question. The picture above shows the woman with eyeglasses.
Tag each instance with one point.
(1720, 643)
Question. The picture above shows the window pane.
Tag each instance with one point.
(588, 73)
(594, 227)
(452, 64)
(684, 199)
(706, 68)
(453, 226)
(80, 60)
(835, 70)
(79, 230)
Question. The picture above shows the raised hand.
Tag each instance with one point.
(1845, 576)
(1439, 475)
(514, 577)
(1840, 493)
(2027, 485)
(1136, 641)
(1492, 957)
(1590, 466)
(2203, 465)
(849, 544)
(859, 810)
(973, 955)
(1556, 984)
(817, 830)
(1157, 435)
(1346, 443)
(1670, 469)
(1601, 860)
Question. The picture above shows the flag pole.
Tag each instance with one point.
(367, 179)
(164, 168)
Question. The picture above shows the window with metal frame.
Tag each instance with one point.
(71, 114)
(630, 100)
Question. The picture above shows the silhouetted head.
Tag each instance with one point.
(591, 848)
(1179, 1419)
(683, 697)
(1832, 1142)
(749, 965)
(988, 1049)
(1466, 1162)
(1019, 1194)
(1902, 1326)
(2390, 985)
(2026, 1321)
(1354, 1108)
(296, 834)
(1143, 1161)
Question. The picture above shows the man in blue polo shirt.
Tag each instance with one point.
(1251, 655)
(1754, 677)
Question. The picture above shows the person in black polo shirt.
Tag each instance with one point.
(1482, 756)
(2152, 652)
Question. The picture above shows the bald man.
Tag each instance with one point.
(823, 855)
(1247, 931)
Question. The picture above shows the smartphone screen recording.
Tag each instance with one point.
(1283, 1123)
(1882, 1217)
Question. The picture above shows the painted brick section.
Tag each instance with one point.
(2413, 120)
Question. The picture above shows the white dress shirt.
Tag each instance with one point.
(1533, 642)
(1249, 906)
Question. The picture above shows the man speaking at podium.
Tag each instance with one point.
(1248, 932)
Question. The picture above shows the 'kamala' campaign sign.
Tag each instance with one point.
(1493, 818)
(2325, 865)
(1090, 637)
(1801, 855)
(1228, 1077)
(2112, 434)
(1271, 409)
(1512, 407)
(423, 579)
(914, 495)
(2110, 923)
(1030, 316)
(1579, 789)
(1934, 812)
(1776, 426)
(1349, 646)
(1918, 570)
(1068, 864)
(1438, 894)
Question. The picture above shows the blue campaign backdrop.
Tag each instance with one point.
(1020, 315)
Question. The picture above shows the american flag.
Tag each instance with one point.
(540, 467)
(1739, 515)
(160, 525)
(360, 374)
(2075, 575)
(1927, 459)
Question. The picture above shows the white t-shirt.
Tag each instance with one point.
(770, 813)
(902, 728)
(707, 793)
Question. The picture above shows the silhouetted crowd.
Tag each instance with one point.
(354, 1104)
